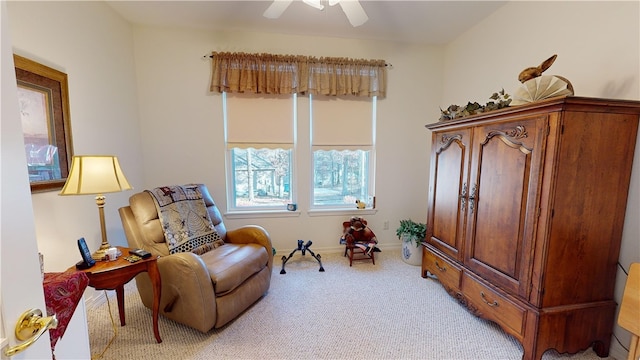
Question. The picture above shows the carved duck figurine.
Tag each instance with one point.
(533, 72)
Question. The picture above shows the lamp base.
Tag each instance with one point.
(101, 253)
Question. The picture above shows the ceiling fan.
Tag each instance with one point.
(352, 9)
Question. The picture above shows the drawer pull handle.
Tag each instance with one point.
(473, 198)
(440, 268)
(484, 298)
(463, 197)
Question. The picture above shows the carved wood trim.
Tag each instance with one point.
(468, 305)
(447, 140)
(509, 137)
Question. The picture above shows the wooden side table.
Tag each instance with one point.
(113, 275)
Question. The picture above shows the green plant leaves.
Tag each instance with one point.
(412, 231)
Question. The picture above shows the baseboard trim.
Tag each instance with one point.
(98, 299)
(616, 351)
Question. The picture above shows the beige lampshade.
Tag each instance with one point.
(95, 174)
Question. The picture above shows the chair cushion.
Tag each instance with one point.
(231, 264)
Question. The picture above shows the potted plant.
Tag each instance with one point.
(412, 235)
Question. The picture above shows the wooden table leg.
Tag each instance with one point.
(154, 275)
(120, 296)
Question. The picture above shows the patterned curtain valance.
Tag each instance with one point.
(288, 74)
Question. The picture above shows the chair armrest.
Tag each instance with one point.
(187, 292)
(252, 234)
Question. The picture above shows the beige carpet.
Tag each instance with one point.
(381, 311)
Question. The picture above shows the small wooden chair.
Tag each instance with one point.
(360, 242)
(629, 316)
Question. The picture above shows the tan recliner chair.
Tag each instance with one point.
(201, 291)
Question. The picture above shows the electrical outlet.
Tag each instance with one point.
(385, 225)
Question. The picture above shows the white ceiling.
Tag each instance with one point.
(423, 22)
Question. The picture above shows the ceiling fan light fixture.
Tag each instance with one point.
(351, 8)
(314, 3)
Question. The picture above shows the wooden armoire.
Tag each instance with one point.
(525, 216)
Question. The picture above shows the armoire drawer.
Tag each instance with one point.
(447, 273)
(492, 305)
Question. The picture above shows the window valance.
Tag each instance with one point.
(289, 74)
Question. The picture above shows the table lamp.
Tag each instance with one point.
(96, 175)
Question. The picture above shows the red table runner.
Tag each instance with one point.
(62, 293)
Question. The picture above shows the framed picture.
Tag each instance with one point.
(43, 97)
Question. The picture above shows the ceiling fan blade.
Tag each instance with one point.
(276, 8)
(354, 12)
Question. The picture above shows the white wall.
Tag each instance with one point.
(598, 47)
(182, 125)
(94, 47)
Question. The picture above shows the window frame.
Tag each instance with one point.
(232, 208)
(233, 211)
(370, 201)
(370, 173)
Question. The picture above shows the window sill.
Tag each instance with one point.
(260, 214)
(283, 213)
(349, 212)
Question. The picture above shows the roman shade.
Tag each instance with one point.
(259, 121)
(342, 124)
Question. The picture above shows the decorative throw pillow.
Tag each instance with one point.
(185, 220)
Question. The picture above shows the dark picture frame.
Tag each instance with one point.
(43, 96)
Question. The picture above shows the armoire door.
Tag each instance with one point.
(447, 191)
(504, 180)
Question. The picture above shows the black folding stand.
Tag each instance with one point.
(303, 248)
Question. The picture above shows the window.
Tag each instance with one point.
(340, 177)
(261, 177)
(343, 133)
(259, 150)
